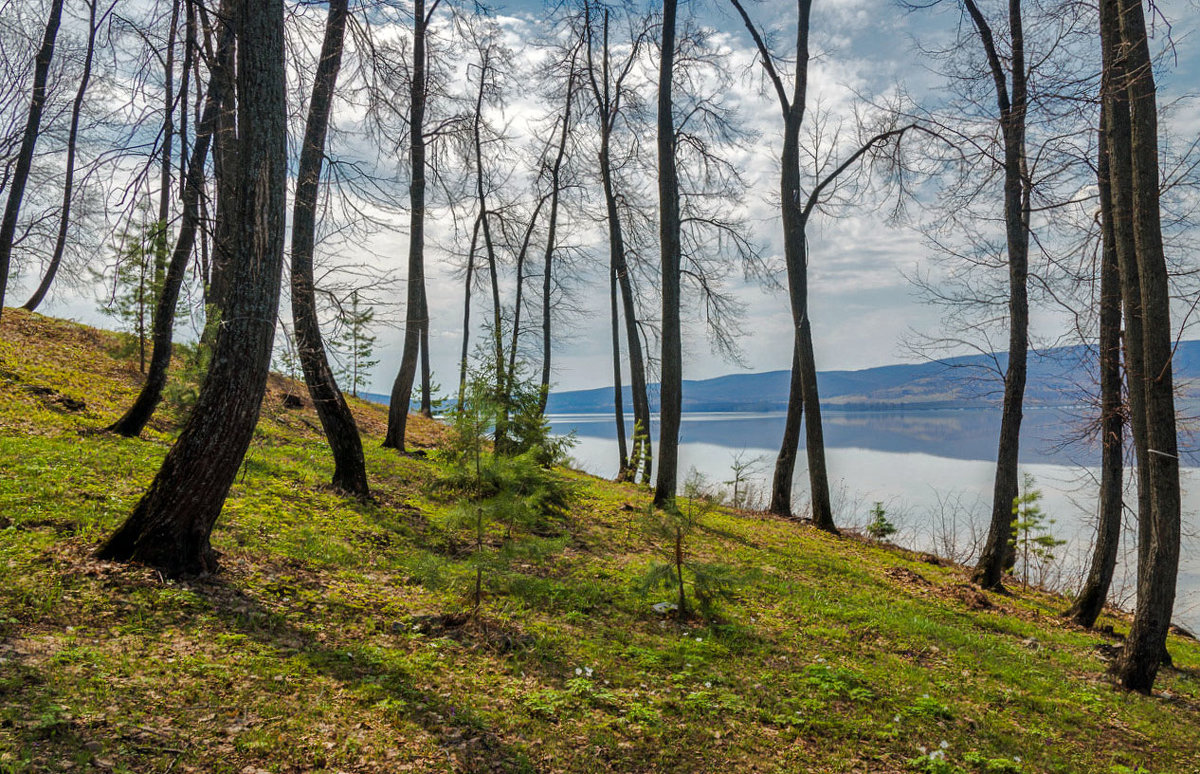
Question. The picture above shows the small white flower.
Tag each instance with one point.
(699, 639)
(707, 684)
(1017, 758)
(578, 671)
(944, 744)
(896, 719)
(922, 749)
(588, 670)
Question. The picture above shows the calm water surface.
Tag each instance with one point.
(932, 470)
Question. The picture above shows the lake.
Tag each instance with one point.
(932, 471)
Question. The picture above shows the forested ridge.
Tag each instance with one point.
(324, 645)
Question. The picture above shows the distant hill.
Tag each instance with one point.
(1057, 377)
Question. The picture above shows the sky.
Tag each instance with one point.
(864, 309)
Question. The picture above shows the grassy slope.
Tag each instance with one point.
(309, 653)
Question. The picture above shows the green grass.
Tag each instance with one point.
(318, 647)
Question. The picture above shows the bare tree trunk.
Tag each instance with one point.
(350, 472)
(414, 323)
(1090, 602)
(225, 172)
(135, 418)
(552, 238)
(60, 242)
(466, 341)
(1158, 565)
(998, 550)
(33, 121)
(164, 192)
(170, 527)
(519, 300)
(671, 404)
(624, 473)
(607, 93)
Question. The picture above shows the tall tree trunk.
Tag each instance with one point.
(1145, 645)
(60, 242)
(135, 418)
(1090, 602)
(170, 527)
(225, 173)
(33, 122)
(164, 191)
(998, 550)
(350, 472)
(607, 91)
(552, 238)
(466, 340)
(624, 473)
(671, 404)
(519, 300)
(414, 307)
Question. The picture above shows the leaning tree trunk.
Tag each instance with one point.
(1145, 645)
(20, 175)
(998, 550)
(466, 336)
(350, 472)
(170, 527)
(64, 222)
(414, 308)
(225, 174)
(671, 402)
(1090, 602)
(135, 418)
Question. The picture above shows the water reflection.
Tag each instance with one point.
(933, 472)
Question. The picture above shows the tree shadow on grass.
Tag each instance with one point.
(461, 733)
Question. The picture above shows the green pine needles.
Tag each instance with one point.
(1032, 539)
(507, 499)
(678, 570)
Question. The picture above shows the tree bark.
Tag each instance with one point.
(414, 323)
(350, 473)
(997, 553)
(624, 473)
(671, 405)
(1092, 597)
(135, 418)
(466, 340)
(607, 92)
(1158, 565)
(164, 192)
(170, 527)
(552, 237)
(60, 242)
(33, 121)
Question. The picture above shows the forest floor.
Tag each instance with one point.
(323, 644)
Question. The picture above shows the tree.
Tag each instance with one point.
(133, 293)
(357, 346)
(350, 472)
(170, 527)
(64, 222)
(1032, 539)
(796, 211)
(20, 174)
(416, 319)
(1130, 98)
(612, 95)
(670, 251)
(1088, 604)
(134, 420)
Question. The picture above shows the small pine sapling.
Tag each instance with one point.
(1032, 538)
(355, 346)
(880, 528)
(504, 500)
(677, 569)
